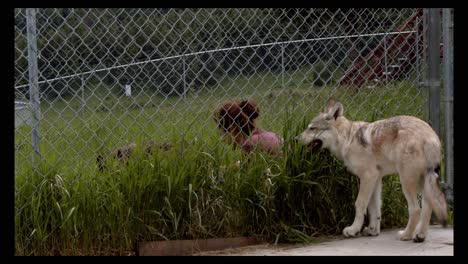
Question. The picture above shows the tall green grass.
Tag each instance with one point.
(65, 206)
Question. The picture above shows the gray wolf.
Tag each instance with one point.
(403, 145)
(236, 123)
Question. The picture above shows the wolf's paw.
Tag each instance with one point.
(350, 231)
(418, 238)
(402, 235)
(370, 231)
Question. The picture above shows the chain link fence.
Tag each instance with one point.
(108, 77)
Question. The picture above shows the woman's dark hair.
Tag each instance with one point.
(241, 113)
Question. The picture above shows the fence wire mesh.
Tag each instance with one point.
(108, 77)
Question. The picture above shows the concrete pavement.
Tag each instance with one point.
(439, 242)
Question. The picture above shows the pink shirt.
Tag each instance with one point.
(263, 140)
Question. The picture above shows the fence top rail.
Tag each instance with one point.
(218, 50)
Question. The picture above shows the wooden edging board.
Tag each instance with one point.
(190, 247)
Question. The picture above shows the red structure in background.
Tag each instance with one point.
(393, 57)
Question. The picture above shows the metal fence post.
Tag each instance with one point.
(424, 61)
(418, 64)
(282, 66)
(434, 68)
(83, 101)
(385, 59)
(184, 79)
(448, 100)
(33, 80)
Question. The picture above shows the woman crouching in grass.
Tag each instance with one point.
(236, 122)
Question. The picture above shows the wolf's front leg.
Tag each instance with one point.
(374, 209)
(368, 181)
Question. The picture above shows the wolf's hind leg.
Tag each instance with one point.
(423, 225)
(409, 187)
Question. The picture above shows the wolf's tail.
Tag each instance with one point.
(435, 196)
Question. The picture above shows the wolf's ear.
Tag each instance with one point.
(331, 102)
(334, 108)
